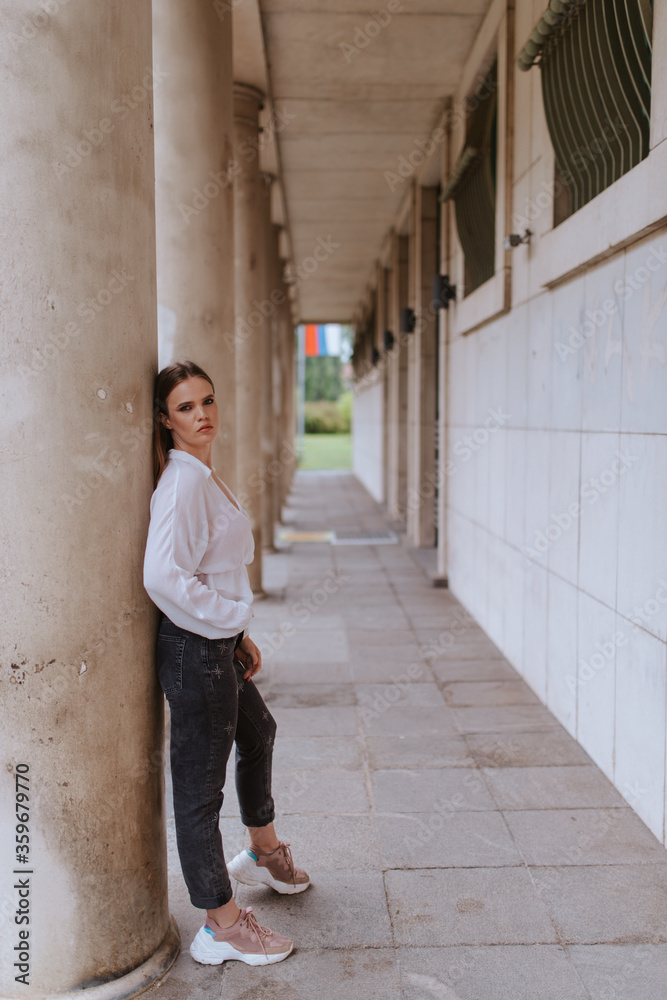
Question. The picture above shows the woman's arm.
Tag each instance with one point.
(177, 540)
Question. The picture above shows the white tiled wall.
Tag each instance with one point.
(557, 528)
(368, 438)
(560, 589)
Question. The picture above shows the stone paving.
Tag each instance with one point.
(461, 845)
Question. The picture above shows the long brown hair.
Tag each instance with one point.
(165, 381)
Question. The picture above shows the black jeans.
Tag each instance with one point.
(211, 708)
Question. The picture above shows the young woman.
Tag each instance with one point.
(199, 543)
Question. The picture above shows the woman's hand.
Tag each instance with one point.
(249, 655)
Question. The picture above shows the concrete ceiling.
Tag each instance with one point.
(354, 95)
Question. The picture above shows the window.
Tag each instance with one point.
(595, 61)
(472, 185)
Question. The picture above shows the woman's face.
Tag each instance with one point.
(193, 413)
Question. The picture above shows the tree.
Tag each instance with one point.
(323, 379)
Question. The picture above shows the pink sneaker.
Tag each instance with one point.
(246, 940)
(276, 868)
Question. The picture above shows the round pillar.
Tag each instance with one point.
(194, 202)
(268, 428)
(281, 455)
(81, 783)
(289, 428)
(248, 194)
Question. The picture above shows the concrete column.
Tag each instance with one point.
(381, 281)
(268, 306)
(289, 428)
(194, 202)
(280, 455)
(248, 192)
(397, 390)
(422, 373)
(446, 211)
(380, 307)
(82, 713)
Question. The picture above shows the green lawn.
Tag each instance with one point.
(326, 451)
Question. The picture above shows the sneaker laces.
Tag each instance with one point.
(288, 859)
(250, 925)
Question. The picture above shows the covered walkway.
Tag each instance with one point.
(461, 844)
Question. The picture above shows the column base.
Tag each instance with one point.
(441, 582)
(139, 979)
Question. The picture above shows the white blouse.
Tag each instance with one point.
(197, 550)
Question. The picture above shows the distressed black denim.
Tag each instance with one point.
(212, 707)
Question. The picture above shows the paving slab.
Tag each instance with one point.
(584, 837)
(605, 904)
(403, 719)
(463, 650)
(472, 670)
(443, 838)
(307, 695)
(460, 630)
(401, 791)
(405, 690)
(554, 787)
(497, 692)
(636, 971)
(547, 748)
(303, 647)
(391, 639)
(294, 753)
(417, 750)
(320, 721)
(308, 974)
(303, 619)
(501, 972)
(382, 668)
(286, 672)
(515, 718)
(467, 906)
